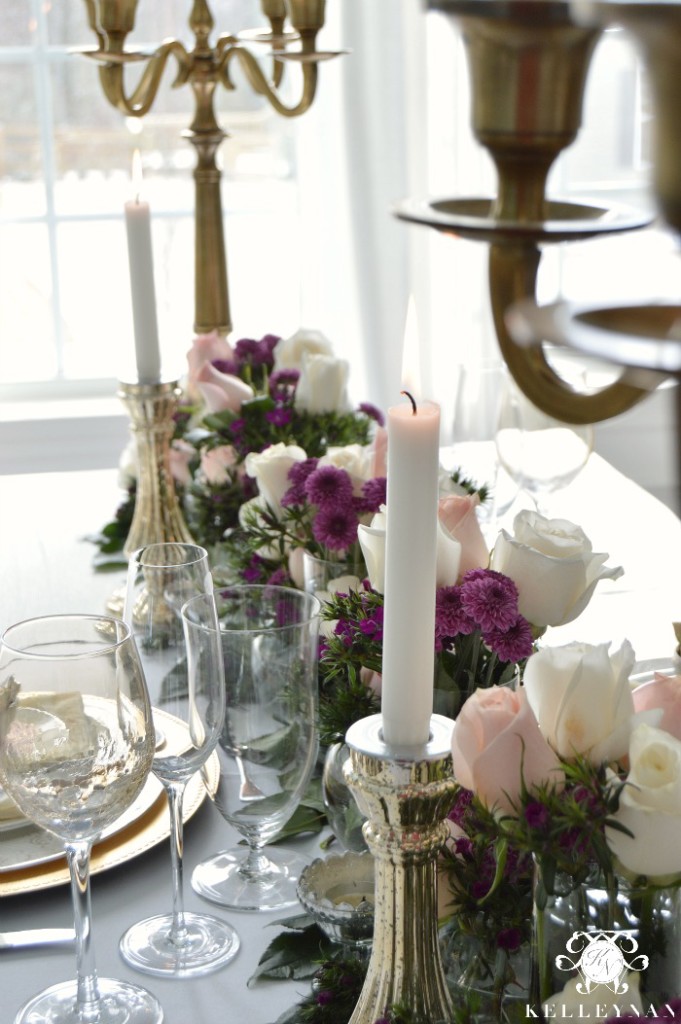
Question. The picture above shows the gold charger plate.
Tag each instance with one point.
(148, 827)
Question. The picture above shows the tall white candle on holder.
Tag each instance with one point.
(140, 258)
(411, 538)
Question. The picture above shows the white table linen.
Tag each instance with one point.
(47, 568)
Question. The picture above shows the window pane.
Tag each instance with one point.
(95, 298)
(17, 23)
(20, 155)
(26, 316)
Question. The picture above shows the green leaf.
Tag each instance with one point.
(293, 955)
(109, 561)
(303, 819)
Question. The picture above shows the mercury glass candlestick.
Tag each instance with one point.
(406, 794)
(158, 517)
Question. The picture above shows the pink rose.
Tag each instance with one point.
(495, 739)
(181, 453)
(222, 391)
(205, 349)
(458, 517)
(216, 463)
(372, 679)
(662, 693)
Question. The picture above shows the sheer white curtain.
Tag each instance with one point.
(390, 121)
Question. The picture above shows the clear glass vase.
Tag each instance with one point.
(605, 951)
(344, 817)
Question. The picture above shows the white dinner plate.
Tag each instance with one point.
(31, 858)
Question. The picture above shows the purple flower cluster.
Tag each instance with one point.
(369, 624)
(249, 352)
(336, 507)
(484, 601)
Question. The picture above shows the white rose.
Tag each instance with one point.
(581, 698)
(448, 557)
(251, 514)
(650, 805)
(552, 564)
(322, 386)
(270, 469)
(372, 542)
(288, 352)
(356, 459)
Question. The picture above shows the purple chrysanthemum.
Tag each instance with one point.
(278, 417)
(282, 384)
(537, 815)
(228, 366)
(335, 528)
(325, 997)
(373, 627)
(451, 618)
(490, 598)
(253, 571)
(345, 631)
(257, 353)
(373, 494)
(297, 476)
(372, 411)
(462, 803)
(279, 578)
(512, 644)
(463, 847)
(329, 486)
(509, 939)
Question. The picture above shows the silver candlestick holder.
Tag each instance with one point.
(406, 794)
(157, 517)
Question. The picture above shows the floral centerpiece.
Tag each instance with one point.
(239, 401)
(581, 773)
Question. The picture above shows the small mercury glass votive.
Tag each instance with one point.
(338, 892)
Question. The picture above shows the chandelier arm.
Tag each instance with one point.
(141, 99)
(263, 87)
(513, 271)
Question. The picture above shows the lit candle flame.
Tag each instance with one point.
(411, 362)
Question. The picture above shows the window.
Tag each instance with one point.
(65, 165)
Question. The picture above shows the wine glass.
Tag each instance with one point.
(480, 390)
(268, 745)
(186, 683)
(76, 746)
(541, 453)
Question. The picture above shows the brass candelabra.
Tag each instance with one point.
(204, 68)
(528, 63)
(646, 336)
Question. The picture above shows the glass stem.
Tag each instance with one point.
(256, 864)
(88, 1003)
(178, 929)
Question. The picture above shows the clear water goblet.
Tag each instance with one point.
(270, 647)
(76, 746)
(542, 454)
(184, 679)
(479, 394)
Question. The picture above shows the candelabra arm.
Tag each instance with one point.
(140, 101)
(263, 87)
(512, 277)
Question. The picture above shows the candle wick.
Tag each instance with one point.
(411, 399)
